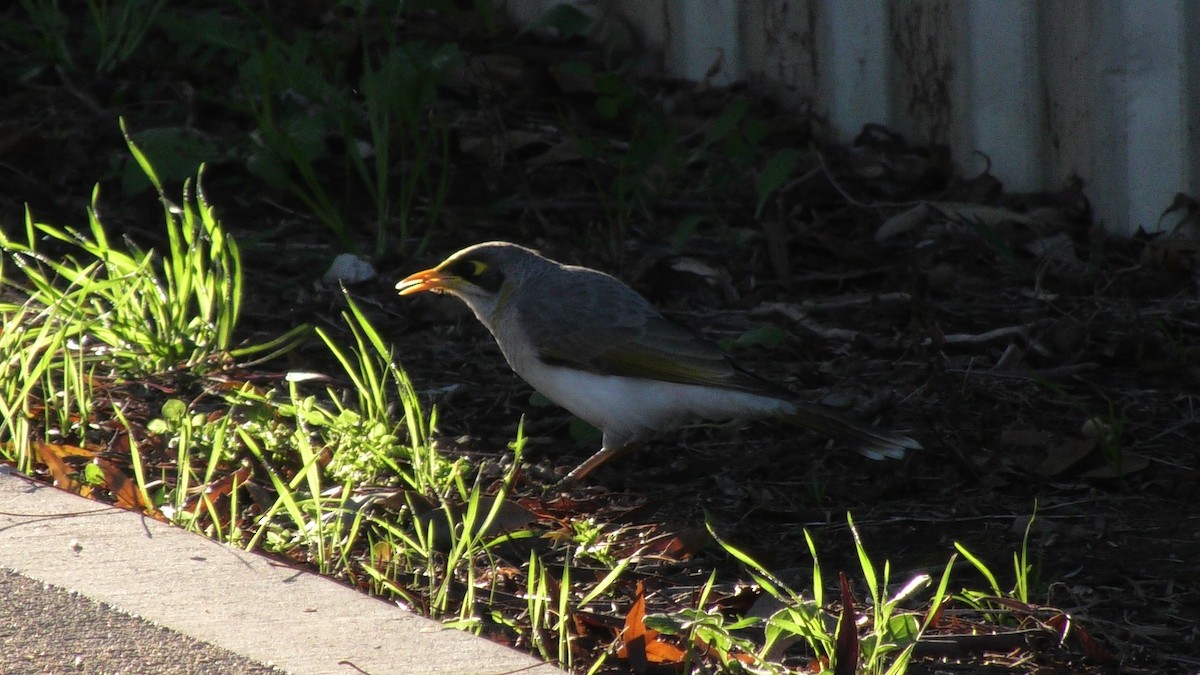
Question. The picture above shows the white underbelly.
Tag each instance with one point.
(627, 408)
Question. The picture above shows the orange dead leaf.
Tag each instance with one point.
(658, 651)
(219, 488)
(125, 490)
(52, 455)
(67, 450)
(1068, 629)
(934, 616)
(633, 636)
(641, 645)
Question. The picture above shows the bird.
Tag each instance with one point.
(593, 345)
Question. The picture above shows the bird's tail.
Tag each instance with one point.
(873, 443)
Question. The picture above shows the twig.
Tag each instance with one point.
(857, 301)
(992, 335)
(1057, 372)
(800, 317)
(837, 186)
(978, 338)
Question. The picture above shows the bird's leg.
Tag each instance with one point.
(590, 464)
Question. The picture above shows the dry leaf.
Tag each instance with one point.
(847, 646)
(1069, 630)
(125, 491)
(1022, 437)
(559, 153)
(978, 214)
(641, 645)
(1059, 247)
(1065, 455)
(903, 222)
(52, 455)
(506, 143)
(717, 278)
(222, 487)
(1126, 464)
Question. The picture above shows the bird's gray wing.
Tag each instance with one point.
(604, 326)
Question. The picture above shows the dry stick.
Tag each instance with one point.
(1012, 356)
(1057, 372)
(793, 184)
(1171, 429)
(837, 186)
(978, 338)
(800, 317)
(841, 275)
(899, 297)
(1021, 332)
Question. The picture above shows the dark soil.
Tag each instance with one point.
(1043, 364)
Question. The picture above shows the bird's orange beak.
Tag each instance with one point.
(426, 280)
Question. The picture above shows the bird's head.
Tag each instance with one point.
(483, 276)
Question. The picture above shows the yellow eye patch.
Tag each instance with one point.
(477, 267)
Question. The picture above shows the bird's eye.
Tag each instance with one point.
(479, 273)
(468, 269)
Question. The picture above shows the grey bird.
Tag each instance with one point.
(596, 347)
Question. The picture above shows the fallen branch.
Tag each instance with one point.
(899, 297)
(801, 319)
(1055, 373)
(1007, 332)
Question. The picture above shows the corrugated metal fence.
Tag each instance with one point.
(1106, 90)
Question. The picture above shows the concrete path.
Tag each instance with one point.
(203, 607)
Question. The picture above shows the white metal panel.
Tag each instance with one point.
(1153, 105)
(704, 40)
(924, 52)
(525, 12)
(778, 48)
(1066, 51)
(1106, 90)
(855, 63)
(1002, 107)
